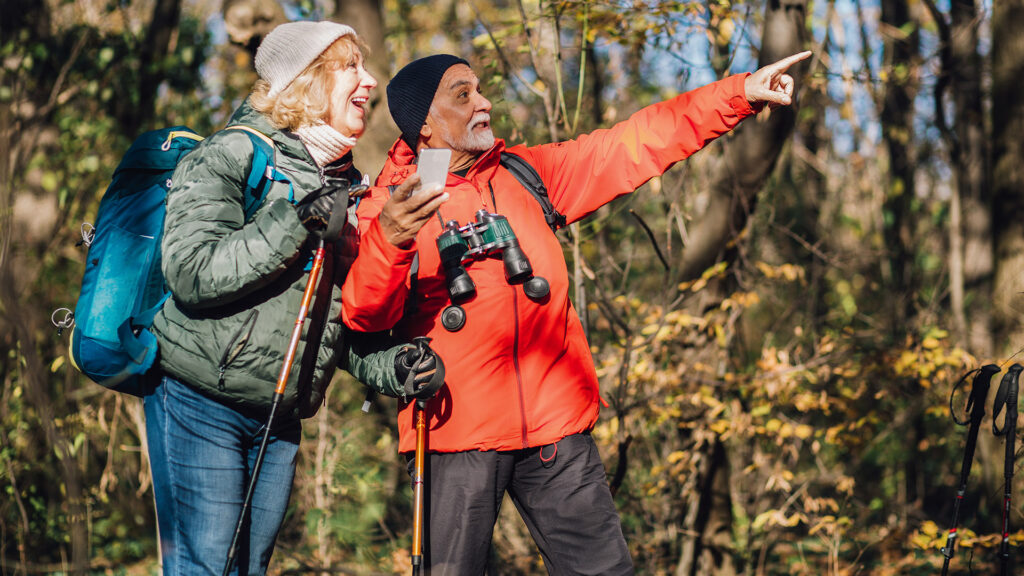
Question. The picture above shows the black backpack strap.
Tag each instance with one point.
(530, 180)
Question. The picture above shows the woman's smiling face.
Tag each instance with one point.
(351, 90)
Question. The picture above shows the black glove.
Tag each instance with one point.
(317, 210)
(420, 369)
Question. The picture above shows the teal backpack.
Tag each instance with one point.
(123, 287)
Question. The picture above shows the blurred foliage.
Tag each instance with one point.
(772, 391)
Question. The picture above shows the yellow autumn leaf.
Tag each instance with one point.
(720, 426)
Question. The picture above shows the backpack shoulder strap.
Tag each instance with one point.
(528, 177)
(262, 172)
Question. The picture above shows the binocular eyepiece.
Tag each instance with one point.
(488, 235)
(453, 248)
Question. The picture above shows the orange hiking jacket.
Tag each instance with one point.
(519, 374)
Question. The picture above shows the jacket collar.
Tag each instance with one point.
(401, 162)
(286, 142)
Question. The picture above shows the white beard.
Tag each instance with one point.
(478, 141)
(472, 141)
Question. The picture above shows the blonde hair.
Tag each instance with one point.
(308, 98)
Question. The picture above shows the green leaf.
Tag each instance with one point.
(105, 56)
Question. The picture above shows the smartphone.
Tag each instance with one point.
(432, 167)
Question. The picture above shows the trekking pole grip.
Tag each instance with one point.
(975, 410)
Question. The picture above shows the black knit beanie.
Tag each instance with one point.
(412, 90)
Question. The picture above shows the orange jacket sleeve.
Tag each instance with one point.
(586, 173)
(375, 290)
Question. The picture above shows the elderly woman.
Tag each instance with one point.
(237, 284)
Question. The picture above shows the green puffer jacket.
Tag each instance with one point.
(237, 286)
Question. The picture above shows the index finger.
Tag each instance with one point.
(785, 63)
(425, 196)
(405, 189)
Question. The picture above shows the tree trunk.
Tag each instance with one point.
(21, 127)
(973, 170)
(248, 21)
(1008, 173)
(715, 521)
(1007, 181)
(751, 153)
(815, 188)
(156, 45)
(367, 17)
(900, 54)
(970, 246)
(596, 78)
(749, 159)
(21, 319)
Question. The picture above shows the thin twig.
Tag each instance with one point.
(506, 64)
(654, 242)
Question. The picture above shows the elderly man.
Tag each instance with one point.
(522, 391)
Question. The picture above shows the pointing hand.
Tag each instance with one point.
(771, 85)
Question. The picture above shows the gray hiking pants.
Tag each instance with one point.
(560, 491)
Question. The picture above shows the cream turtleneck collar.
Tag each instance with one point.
(324, 143)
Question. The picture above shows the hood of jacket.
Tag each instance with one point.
(401, 162)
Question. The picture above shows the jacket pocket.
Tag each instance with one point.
(235, 345)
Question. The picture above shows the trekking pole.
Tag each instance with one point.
(417, 485)
(976, 410)
(1007, 397)
(425, 389)
(282, 381)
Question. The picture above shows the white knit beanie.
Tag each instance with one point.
(291, 47)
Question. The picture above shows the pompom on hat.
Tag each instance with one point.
(291, 47)
(412, 90)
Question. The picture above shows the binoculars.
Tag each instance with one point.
(489, 235)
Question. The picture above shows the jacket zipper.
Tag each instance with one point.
(515, 362)
(235, 346)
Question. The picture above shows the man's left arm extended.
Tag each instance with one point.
(584, 174)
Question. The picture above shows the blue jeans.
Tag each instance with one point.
(202, 455)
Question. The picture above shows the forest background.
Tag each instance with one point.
(777, 321)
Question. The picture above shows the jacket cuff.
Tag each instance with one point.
(736, 84)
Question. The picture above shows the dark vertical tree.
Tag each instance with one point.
(153, 64)
(71, 88)
(366, 16)
(900, 54)
(34, 88)
(900, 64)
(750, 157)
(1008, 173)
(751, 154)
(970, 246)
